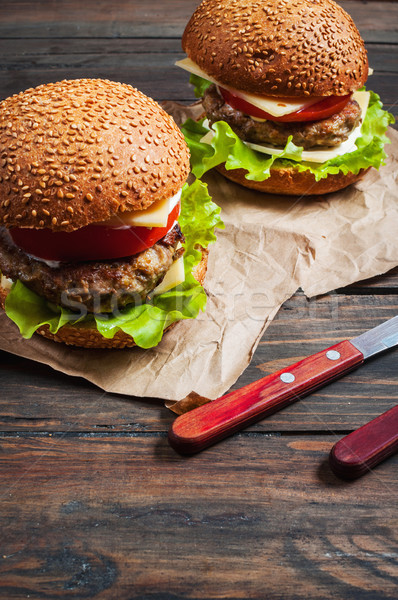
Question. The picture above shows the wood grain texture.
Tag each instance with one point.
(386, 283)
(34, 397)
(92, 517)
(127, 18)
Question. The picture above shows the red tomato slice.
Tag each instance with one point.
(94, 242)
(326, 107)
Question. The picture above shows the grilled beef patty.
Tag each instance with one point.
(327, 132)
(95, 286)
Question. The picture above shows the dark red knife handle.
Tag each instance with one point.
(210, 423)
(361, 450)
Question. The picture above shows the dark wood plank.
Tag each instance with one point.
(34, 397)
(384, 86)
(123, 18)
(153, 73)
(72, 18)
(382, 58)
(372, 19)
(31, 48)
(55, 402)
(386, 283)
(127, 518)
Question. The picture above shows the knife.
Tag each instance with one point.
(216, 420)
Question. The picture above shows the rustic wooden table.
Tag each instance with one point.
(94, 502)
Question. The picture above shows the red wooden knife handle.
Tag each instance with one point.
(363, 449)
(207, 424)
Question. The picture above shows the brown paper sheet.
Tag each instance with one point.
(270, 247)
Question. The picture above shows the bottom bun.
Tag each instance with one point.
(290, 182)
(88, 336)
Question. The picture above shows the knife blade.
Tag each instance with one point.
(216, 420)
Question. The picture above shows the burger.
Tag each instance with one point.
(102, 242)
(282, 85)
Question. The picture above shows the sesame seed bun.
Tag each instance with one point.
(88, 336)
(278, 47)
(81, 151)
(291, 182)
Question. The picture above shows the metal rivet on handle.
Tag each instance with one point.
(333, 355)
(287, 377)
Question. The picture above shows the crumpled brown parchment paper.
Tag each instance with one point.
(271, 246)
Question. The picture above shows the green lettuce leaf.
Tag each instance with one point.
(200, 85)
(226, 147)
(29, 311)
(145, 322)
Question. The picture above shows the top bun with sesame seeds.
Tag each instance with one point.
(278, 47)
(102, 242)
(82, 151)
(283, 108)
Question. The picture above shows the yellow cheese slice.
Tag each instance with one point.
(316, 155)
(155, 216)
(274, 106)
(174, 276)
